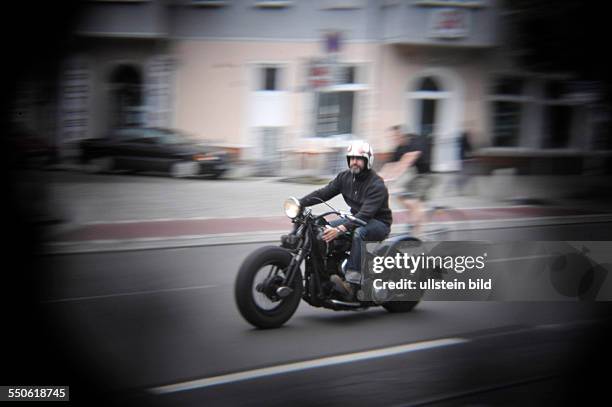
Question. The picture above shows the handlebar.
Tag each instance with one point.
(356, 220)
(345, 216)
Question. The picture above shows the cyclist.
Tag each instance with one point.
(411, 154)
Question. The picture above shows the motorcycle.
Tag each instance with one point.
(273, 279)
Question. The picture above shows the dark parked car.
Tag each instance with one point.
(153, 149)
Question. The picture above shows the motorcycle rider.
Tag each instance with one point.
(366, 194)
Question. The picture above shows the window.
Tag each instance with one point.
(126, 84)
(557, 126)
(335, 106)
(348, 75)
(558, 112)
(321, 74)
(334, 113)
(507, 122)
(268, 78)
(507, 107)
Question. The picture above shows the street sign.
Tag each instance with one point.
(332, 42)
(319, 73)
(449, 23)
(324, 72)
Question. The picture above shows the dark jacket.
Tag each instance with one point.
(416, 143)
(365, 193)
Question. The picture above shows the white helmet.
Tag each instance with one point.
(360, 148)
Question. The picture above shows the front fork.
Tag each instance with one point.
(293, 270)
(313, 287)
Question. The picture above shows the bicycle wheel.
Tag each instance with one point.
(444, 223)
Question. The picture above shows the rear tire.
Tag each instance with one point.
(401, 306)
(244, 289)
(217, 174)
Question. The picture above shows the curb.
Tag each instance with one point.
(222, 239)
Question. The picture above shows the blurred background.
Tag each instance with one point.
(234, 105)
(282, 85)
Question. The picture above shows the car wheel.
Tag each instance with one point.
(101, 165)
(217, 174)
(184, 169)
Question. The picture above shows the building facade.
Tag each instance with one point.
(286, 84)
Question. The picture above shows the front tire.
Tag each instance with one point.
(217, 174)
(249, 300)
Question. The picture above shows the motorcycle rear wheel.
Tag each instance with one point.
(271, 260)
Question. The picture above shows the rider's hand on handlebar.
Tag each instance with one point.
(330, 233)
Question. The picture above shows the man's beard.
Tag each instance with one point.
(355, 169)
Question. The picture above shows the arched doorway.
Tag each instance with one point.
(126, 98)
(427, 105)
(435, 110)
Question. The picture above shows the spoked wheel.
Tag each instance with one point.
(260, 296)
(444, 223)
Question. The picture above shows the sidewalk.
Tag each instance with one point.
(128, 212)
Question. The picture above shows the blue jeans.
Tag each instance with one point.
(374, 231)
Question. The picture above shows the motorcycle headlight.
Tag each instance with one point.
(292, 207)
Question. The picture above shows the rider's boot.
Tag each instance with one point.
(343, 287)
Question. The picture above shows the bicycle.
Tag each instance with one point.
(439, 222)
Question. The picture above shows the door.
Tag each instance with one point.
(270, 163)
(434, 110)
(427, 120)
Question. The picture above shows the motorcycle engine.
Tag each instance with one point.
(341, 244)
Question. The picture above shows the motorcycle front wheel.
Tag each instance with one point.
(255, 292)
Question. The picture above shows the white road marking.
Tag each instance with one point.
(563, 325)
(308, 364)
(97, 297)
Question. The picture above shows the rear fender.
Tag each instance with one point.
(388, 246)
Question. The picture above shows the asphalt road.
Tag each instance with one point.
(137, 321)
